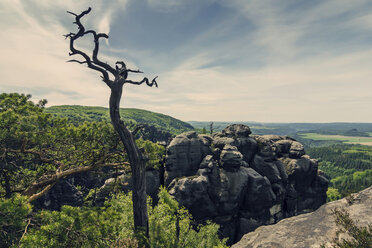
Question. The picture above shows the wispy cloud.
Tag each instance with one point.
(216, 59)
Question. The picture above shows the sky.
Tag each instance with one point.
(216, 60)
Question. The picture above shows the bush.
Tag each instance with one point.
(112, 226)
(360, 237)
(13, 219)
(84, 227)
(333, 194)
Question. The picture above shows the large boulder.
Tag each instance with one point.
(192, 192)
(309, 230)
(184, 155)
(231, 158)
(301, 171)
(236, 130)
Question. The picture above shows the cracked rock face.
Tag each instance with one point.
(240, 181)
(184, 155)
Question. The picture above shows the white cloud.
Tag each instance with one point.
(323, 85)
(34, 53)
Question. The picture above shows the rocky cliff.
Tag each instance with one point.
(242, 181)
(312, 229)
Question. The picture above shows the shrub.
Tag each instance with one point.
(13, 219)
(360, 237)
(112, 226)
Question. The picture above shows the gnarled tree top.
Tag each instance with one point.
(119, 73)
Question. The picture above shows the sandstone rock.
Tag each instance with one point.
(220, 142)
(266, 168)
(192, 192)
(230, 191)
(301, 172)
(237, 130)
(231, 158)
(266, 147)
(184, 154)
(247, 147)
(309, 230)
(259, 194)
(287, 146)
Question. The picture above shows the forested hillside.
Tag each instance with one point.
(348, 166)
(76, 114)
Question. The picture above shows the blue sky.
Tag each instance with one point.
(220, 60)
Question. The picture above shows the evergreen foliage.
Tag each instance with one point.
(34, 143)
(13, 219)
(360, 237)
(108, 226)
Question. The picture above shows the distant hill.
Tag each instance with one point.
(261, 128)
(77, 113)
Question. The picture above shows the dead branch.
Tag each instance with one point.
(24, 233)
(41, 193)
(145, 80)
(96, 64)
(52, 179)
(77, 61)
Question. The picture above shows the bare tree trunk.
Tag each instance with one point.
(120, 74)
(136, 159)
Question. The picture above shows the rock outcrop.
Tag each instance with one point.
(240, 181)
(311, 229)
(63, 193)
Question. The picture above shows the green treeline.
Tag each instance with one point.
(78, 114)
(348, 166)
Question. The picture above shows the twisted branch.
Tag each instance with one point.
(145, 80)
(95, 64)
(49, 181)
(119, 73)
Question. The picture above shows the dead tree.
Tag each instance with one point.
(212, 128)
(118, 78)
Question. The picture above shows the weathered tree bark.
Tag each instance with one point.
(120, 73)
(136, 160)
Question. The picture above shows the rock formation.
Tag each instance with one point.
(311, 229)
(240, 181)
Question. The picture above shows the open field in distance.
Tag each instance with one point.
(345, 139)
